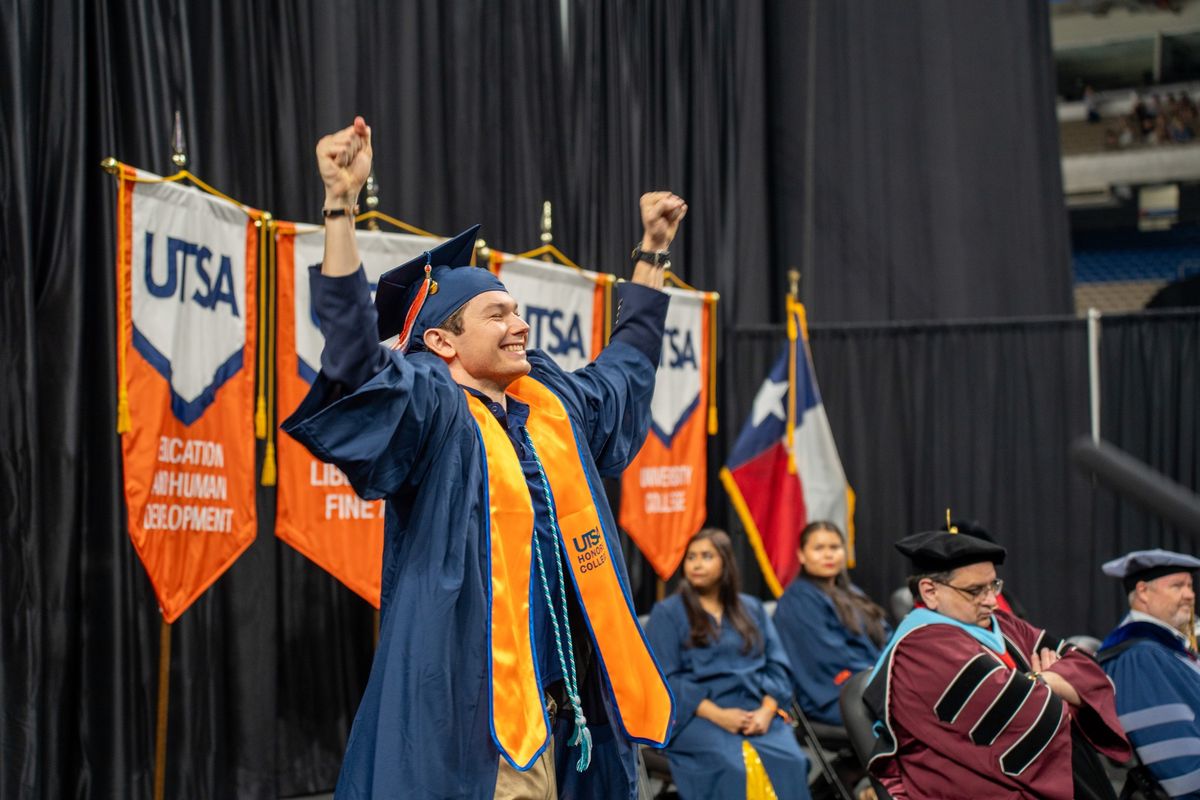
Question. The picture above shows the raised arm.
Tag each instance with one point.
(610, 397)
(661, 214)
(344, 160)
(362, 412)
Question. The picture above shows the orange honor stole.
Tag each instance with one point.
(644, 704)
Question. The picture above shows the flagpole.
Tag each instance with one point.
(793, 336)
(179, 158)
(164, 684)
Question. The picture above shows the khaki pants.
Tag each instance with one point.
(539, 781)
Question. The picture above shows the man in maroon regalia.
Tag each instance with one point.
(973, 702)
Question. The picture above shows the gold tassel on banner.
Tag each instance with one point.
(260, 403)
(114, 167)
(609, 280)
(269, 476)
(712, 299)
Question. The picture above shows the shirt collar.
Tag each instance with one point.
(1141, 616)
(516, 415)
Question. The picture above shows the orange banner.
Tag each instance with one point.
(186, 303)
(317, 511)
(664, 490)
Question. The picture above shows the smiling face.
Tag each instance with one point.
(489, 353)
(702, 566)
(823, 555)
(1169, 599)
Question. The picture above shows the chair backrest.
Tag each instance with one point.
(901, 602)
(857, 717)
(859, 723)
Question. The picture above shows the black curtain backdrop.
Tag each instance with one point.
(937, 191)
(482, 110)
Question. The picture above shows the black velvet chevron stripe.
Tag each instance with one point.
(1002, 710)
(964, 685)
(1035, 740)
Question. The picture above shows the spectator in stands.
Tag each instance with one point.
(1129, 134)
(829, 627)
(1180, 132)
(1090, 104)
(975, 702)
(1161, 134)
(1151, 658)
(729, 675)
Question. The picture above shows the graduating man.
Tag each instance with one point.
(973, 702)
(510, 662)
(1151, 659)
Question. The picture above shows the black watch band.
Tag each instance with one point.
(341, 211)
(656, 258)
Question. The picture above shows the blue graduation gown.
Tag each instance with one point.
(423, 728)
(819, 648)
(1158, 700)
(706, 760)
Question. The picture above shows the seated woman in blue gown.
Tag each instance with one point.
(829, 627)
(729, 675)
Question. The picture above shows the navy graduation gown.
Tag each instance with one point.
(706, 760)
(423, 728)
(822, 651)
(1158, 700)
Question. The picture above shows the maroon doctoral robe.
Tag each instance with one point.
(958, 720)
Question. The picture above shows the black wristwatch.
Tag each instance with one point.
(656, 258)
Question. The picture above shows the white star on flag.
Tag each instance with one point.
(769, 402)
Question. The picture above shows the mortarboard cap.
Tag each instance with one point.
(1146, 565)
(939, 551)
(408, 305)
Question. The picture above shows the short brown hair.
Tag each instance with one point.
(454, 322)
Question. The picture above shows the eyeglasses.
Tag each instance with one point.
(976, 594)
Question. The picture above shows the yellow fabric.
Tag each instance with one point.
(517, 718)
(758, 782)
(642, 698)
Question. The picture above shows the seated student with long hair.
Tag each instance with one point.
(828, 626)
(729, 675)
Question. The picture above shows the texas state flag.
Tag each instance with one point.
(784, 470)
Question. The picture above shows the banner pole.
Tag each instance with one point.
(160, 737)
(660, 590)
(375, 640)
(1093, 336)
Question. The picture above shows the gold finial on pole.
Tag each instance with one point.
(110, 165)
(794, 282)
(372, 199)
(482, 251)
(547, 235)
(547, 223)
(178, 147)
(949, 527)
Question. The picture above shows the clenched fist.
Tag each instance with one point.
(344, 159)
(661, 214)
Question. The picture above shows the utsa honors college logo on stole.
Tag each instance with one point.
(564, 307)
(590, 552)
(317, 511)
(663, 492)
(186, 271)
